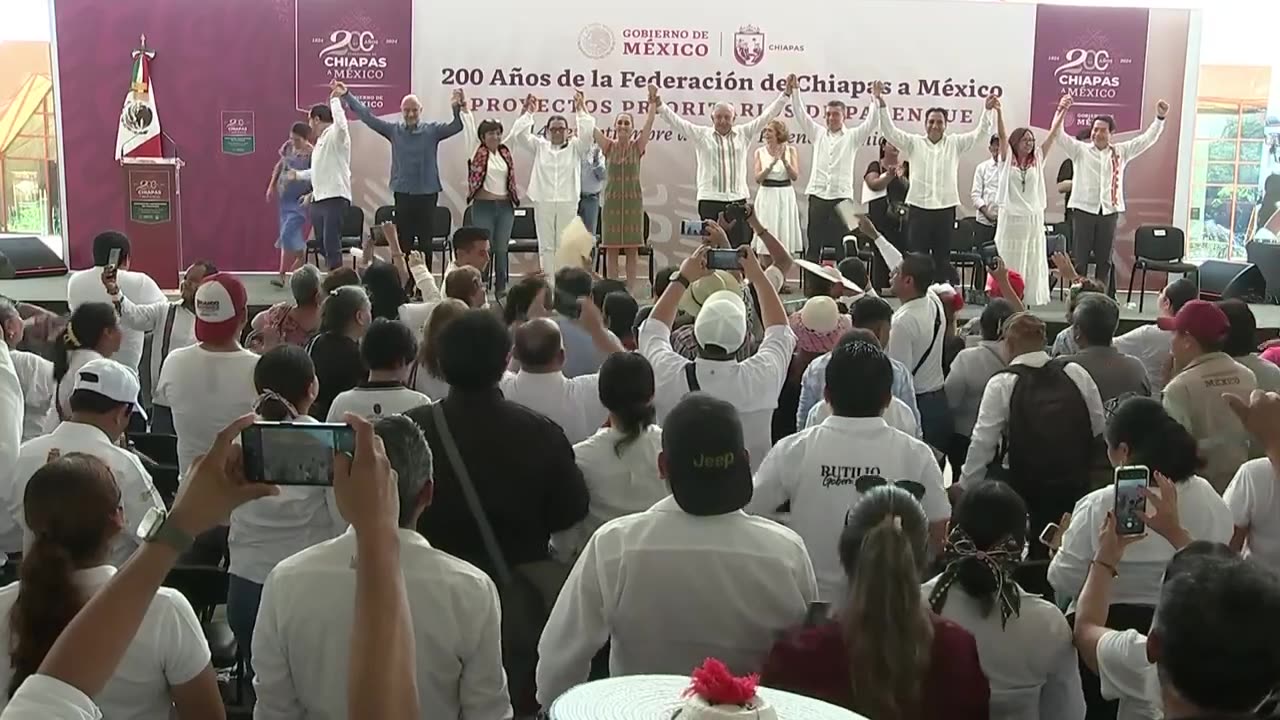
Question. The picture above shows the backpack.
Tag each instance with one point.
(1049, 436)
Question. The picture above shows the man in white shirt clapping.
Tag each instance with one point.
(389, 351)
(692, 577)
(104, 395)
(330, 173)
(302, 639)
(935, 163)
(751, 385)
(85, 286)
(572, 403)
(823, 470)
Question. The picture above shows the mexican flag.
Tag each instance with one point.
(139, 132)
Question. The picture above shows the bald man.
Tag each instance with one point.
(572, 403)
(415, 175)
(721, 152)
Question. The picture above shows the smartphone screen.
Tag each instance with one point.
(294, 453)
(566, 304)
(113, 260)
(724, 259)
(692, 228)
(1130, 503)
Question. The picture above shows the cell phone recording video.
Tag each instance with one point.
(724, 259)
(693, 228)
(566, 304)
(113, 259)
(1131, 505)
(283, 453)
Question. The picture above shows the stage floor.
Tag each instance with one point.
(51, 292)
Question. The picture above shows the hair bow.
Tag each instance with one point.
(1000, 559)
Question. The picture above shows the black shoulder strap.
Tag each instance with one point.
(691, 375)
(933, 340)
(167, 339)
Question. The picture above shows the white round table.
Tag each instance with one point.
(657, 697)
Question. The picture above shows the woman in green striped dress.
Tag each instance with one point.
(622, 229)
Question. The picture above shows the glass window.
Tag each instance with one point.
(1218, 124)
(1221, 173)
(1251, 151)
(1220, 150)
(1248, 174)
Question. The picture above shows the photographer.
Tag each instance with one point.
(720, 330)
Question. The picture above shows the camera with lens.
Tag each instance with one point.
(736, 211)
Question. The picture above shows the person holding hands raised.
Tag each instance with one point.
(622, 229)
(555, 184)
(935, 162)
(721, 151)
(1021, 197)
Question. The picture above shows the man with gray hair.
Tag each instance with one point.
(303, 635)
(415, 173)
(1118, 376)
(721, 151)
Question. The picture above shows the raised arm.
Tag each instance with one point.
(778, 252)
(1004, 135)
(375, 123)
(755, 126)
(904, 141)
(1130, 149)
(792, 158)
(444, 131)
(682, 126)
(642, 142)
(470, 138)
(522, 129)
(339, 114)
(966, 141)
(1054, 131)
(1068, 143)
(810, 125)
(586, 125)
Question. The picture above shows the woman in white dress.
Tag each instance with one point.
(777, 166)
(1020, 237)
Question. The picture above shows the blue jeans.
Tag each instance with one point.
(935, 419)
(496, 216)
(589, 211)
(243, 598)
(326, 218)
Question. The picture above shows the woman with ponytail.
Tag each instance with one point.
(620, 461)
(1024, 642)
(344, 317)
(265, 531)
(92, 332)
(72, 509)
(885, 655)
(1140, 432)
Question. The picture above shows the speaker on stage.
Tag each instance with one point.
(1266, 255)
(1222, 280)
(30, 257)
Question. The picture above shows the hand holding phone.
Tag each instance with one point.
(566, 304)
(294, 453)
(724, 259)
(693, 228)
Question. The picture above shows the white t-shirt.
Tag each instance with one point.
(1128, 676)
(1141, 571)
(1255, 506)
(206, 391)
(572, 403)
(917, 324)
(64, 387)
(375, 400)
(897, 415)
(824, 470)
(35, 374)
(169, 649)
(84, 286)
(41, 697)
(1030, 661)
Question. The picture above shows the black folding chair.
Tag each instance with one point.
(205, 587)
(1160, 248)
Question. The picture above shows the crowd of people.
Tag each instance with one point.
(555, 482)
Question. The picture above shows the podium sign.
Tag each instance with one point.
(153, 217)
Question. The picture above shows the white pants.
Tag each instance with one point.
(550, 219)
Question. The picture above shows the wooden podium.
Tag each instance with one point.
(153, 217)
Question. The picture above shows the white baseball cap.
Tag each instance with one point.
(109, 379)
(722, 321)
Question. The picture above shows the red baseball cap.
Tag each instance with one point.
(221, 303)
(1015, 281)
(1200, 319)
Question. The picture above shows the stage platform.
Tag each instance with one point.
(51, 292)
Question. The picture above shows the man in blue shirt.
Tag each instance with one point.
(415, 175)
(594, 175)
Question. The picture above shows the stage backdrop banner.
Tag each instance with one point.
(273, 57)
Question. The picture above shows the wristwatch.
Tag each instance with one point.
(155, 527)
(677, 277)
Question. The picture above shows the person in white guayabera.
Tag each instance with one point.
(935, 162)
(722, 156)
(831, 178)
(555, 183)
(330, 173)
(1097, 192)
